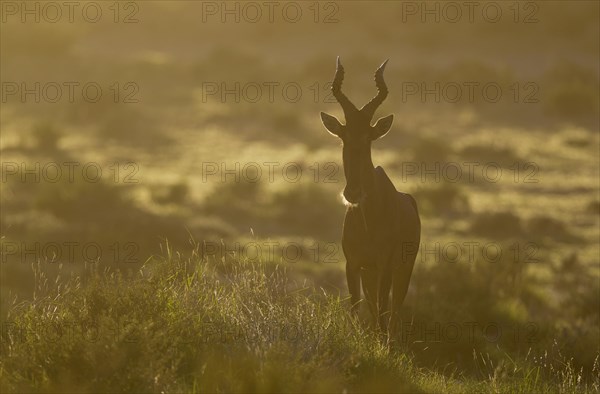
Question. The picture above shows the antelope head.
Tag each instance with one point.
(357, 134)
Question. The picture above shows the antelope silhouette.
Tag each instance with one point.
(382, 229)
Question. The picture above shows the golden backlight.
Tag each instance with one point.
(171, 209)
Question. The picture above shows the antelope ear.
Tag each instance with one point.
(332, 124)
(381, 127)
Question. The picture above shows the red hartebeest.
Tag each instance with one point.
(382, 228)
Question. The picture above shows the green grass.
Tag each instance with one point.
(186, 324)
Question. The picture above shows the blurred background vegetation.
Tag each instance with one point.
(154, 139)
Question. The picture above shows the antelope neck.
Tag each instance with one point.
(367, 183)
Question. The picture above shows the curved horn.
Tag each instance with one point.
(336, 89)
(382, 92)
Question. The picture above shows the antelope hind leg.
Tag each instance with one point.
(383, 299)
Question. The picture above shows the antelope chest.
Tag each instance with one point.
(366, 243)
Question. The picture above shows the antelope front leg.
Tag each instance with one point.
(370, 282)
(401, 280)
(353, 279)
